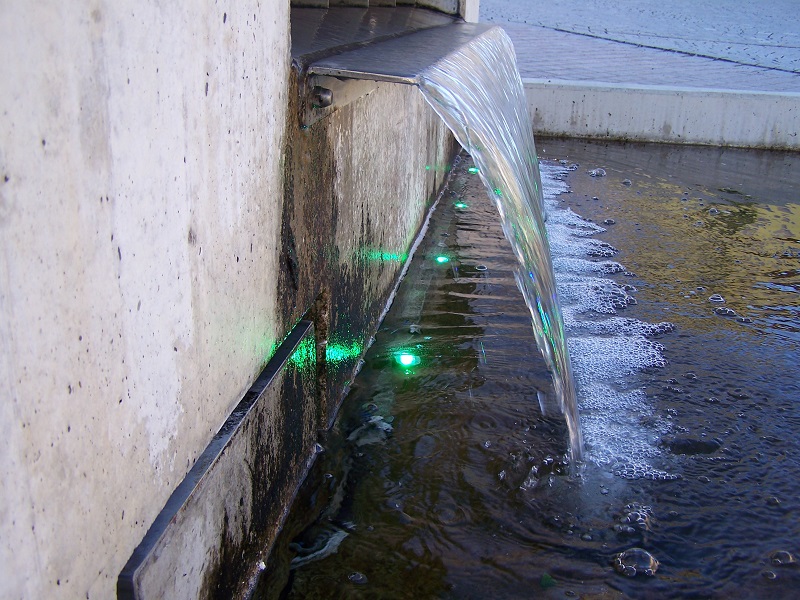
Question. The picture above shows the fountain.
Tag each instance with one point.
(468, 74)
(478, 92)
(445, 478)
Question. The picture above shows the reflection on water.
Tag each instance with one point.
(443, 480)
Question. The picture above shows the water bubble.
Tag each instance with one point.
(769, 575)
(713, 211)
(609, 222)
(637, 515)
(634, 561)
(716, 298)
(781, 557)
(725, 312)
(414, 329)
(744, 320)
(627, 182)
(620, 528)
(595, 198)
(357, 578)
(481, 268)
(597, 173)
(573, 167)
(773, 501)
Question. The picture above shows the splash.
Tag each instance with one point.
(478, 93)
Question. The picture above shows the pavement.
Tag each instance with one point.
(709, 44)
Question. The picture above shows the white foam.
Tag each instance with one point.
(607, 351)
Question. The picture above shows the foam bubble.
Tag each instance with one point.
(593, 294)
(607, 351)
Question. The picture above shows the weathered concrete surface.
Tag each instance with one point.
(219, 522)
(140, 178)
(161, 232)
(357, 186)
(665, 114)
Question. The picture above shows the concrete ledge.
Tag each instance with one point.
(665, 114)
(225, 514)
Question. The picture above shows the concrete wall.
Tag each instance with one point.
(665, 114)
(139, 171)
(164, 224)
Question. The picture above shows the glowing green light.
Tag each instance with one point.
(338, 353)
(305, 356)
(384, 256)
(474, 170)
(406, 359)
(427, 167)
(498, 192)
(441, 259)
(461, 205)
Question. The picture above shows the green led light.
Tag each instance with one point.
(406, 359)
(441, 259)
(498, 192)
(474, 170)
(461, 205)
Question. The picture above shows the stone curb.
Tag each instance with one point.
(665, 114)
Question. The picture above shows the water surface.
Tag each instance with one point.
(442, 478)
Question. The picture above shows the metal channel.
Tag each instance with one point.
(336, 80)
(403, 59)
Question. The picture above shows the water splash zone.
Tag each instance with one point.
(478, 92)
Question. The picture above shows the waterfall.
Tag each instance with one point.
(478, 92)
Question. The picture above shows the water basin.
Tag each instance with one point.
(443, 479)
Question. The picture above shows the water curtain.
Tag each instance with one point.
(478, 92)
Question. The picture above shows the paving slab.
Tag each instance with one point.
(765, 34)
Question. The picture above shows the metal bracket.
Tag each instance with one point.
(322, 95)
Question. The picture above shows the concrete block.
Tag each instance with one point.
(665, 114)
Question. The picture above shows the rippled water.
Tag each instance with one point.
(442, 479)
